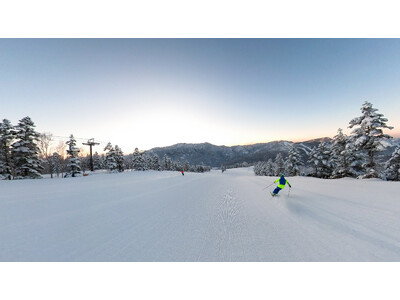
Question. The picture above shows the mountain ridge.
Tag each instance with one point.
(217, 156)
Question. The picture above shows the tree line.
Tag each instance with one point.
(27, 154)
(345, 156)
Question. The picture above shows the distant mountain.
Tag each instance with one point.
(216, 156)
(389, 147)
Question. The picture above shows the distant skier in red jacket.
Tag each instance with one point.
(183, 173)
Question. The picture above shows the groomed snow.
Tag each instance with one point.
(164, 216)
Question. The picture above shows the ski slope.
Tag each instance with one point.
(164, 216)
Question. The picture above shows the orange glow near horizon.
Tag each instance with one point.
(394, 133)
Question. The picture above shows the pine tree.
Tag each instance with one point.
(111, 160)
(293, 163)
(97, 164)
(166, 163)
(156, 163)
(279, 165)
(392, 166)
(129, 161)
(74, 163)
(147, 161)
(7, 135)
(186, 166)
(341, 158)
(258, 168)
(138, 160)
(119, 159)
(269, 167)
(319, 158)
(355, 158)
(367, 137)
(25, 152)
(264, 168)
(151, 161)
(312, 159)
(324, 167)
(178, 165)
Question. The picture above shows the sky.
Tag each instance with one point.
(149, 93)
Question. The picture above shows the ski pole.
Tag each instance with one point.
(289, 191)
(268, 186)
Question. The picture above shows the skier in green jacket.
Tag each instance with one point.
(281, 184)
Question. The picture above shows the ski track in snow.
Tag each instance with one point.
(163, 216)
(226, 229)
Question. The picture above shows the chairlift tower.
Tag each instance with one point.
(91, 143)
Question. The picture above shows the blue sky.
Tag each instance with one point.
(157, 92)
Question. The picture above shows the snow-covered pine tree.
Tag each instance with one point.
(269, 168)
(324, 153)
(312, 160)
(293, 163)
(128, 161)
(138, 160)
(258, 168)
(340, 159)
(319, 158)
(186, 166)
(74, 163)
(178, 166)
(392, 166)
(264, 168)
(368, 135)
(119, 159)
(356, 159)
(97, 164)
(202, 169)
(110, 161)
(7, 135)
(166, 163)
(279, 165)
(147, 161)
(25, 152)
(156, 165)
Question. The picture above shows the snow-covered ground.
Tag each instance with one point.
(164, 216)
